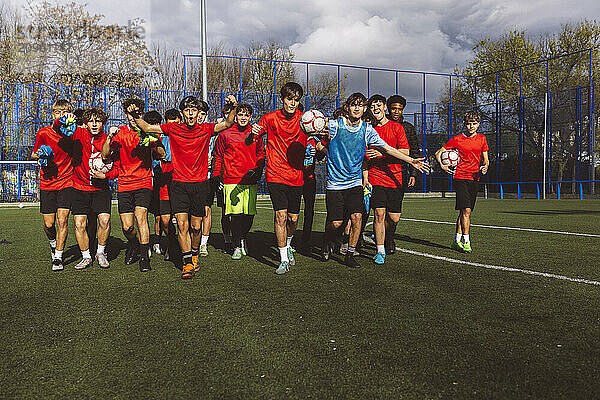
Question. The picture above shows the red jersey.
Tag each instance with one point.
(58, 174)
(135, 162)
(286, 144)
(84, 144)
(386, 171)
(470, 149)
(189, 150)
(233, 159)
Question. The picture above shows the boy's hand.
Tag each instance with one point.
(112, 131)
(412, 181)
(483, 169)
(231, 100)
(420, 164)
(256, 129)
(134, 111)
(447, 169)
(373, 153)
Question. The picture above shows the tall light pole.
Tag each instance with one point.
(203, 34)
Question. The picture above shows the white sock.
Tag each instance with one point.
(204, 240)
(58, 254)
(381, 248)
(466, 238)
(243, 242)
(101, 248)
(53, 243)
(86, 254)
(283, 254)
(458, 237)
(289, 240)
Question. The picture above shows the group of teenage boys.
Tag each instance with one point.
(364, 147)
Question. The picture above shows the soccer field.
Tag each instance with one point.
(518, 318)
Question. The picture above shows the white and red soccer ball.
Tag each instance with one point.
(312, 122)
(96, 162)
(450, 158)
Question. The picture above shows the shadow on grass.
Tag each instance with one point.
(405, 238)
(553, 212)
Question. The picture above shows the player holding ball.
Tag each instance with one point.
(472, 147)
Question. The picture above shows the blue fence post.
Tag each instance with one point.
(580, 190)
(518, 191)
(146, 102)
(538, 191)
(557, 190)
(338, 98)
(501, 191)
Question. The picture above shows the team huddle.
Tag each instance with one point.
(177, 168)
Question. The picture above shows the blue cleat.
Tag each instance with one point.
(379, 258)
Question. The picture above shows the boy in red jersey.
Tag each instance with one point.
(189, 144)
(286, 145)
(52, 150)
(385, 175)
(91, 194)
(239, 167)
(134, 188)
(472, 147)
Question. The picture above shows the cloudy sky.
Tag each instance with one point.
(425, 35)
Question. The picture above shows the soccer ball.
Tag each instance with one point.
(312, 122)
(450, 158)
(97, 163)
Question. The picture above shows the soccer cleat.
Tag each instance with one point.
(284, 267)
(467, 247)
(167, 257)
(344, 249)
(130, 253)
(156, 248)
(187, 271)
(326, 252)
(102, 260)
(84, 263)
(195, 263)
(456, 245)
(379, 258)
(145, 265)
(237, 254)
(57, 265)
(350, 261)
(203, 251)
(291, 256)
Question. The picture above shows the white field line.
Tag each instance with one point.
(501, 268)
(511, 228)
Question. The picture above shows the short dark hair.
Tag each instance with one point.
(79, 116)
(172, 113)
(153, 117)
(94, 112)
(301, 107)
(396, 99)
(203, 106)
(291, 89)
(369, 118)
(245, 107)
(354, 97)
(138, 102)
(62, 104)
(189, 102)
(472, 115)
(374, 98)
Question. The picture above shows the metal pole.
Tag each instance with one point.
(544, 145)
(203, 34)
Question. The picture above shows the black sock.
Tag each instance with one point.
(144, 251)
(187, 258)
(52, 233)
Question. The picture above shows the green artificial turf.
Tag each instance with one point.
(416, 327)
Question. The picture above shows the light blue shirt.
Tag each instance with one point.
(346, 151)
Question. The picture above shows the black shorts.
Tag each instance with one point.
(128, 201)
(388, 198)
(165, 207)
(343, 203)
(189, 197)
(52, 200)
(285, 197)
(91, 202)
(466, 193)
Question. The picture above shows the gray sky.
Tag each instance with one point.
(425, 35)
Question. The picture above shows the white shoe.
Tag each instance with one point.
(84, 263)
(57, 265)
(102, 260)
(156, 248)
(344, 248)
(203, 251)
